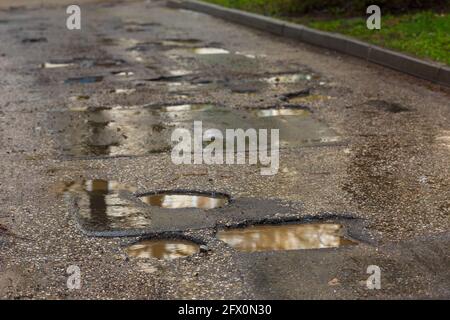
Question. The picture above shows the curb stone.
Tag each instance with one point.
(419, 68)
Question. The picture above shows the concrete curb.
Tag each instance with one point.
(388, 58)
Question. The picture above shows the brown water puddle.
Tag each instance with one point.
(188, 200)
(163, 249)
(101, 208)
(285, 237)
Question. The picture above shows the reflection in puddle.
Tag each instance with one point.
(288, 78)
(50, 65)
(101, 208)
(283, 112)
(125, 42)
(141, 130)
(163, 249)
(189, 200)
(123, 73)
(285, 237)
(124, 91)
(179, 42)
(84, 80)
(210, 51)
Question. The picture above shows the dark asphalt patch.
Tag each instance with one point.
(34, 40)
(386, 106)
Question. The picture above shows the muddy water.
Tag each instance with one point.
(163, 249)
(285, 237)
(189, 200)
(102, 208)
(141, 130)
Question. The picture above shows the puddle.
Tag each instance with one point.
(125, 42)
(50, 65)
(285, 237)
(142, 130)
(84, 80)
(288, 78)
(124, 91)
(210, 51)
(179, 200)
(163, 249)
(179, 42)
(123, 73)
(277, 112)
(101, 208)
(34, 40)
(79, 98)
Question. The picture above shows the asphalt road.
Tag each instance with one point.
(371, 153)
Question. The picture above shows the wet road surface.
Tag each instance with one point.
(87, 178)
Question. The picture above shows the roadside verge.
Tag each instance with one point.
(419, 68)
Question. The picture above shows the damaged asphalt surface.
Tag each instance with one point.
(386, 178)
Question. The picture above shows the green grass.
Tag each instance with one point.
(424, 34)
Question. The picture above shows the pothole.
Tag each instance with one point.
(125, 42)
(141, 130)
(84, 80)
(183, 200)
(123, 73)
(207, 51)
(163, 249)
(285, 237)
(34, 40)
(288, 111)
(51, 65)
(288, 78)
(179, 42)
(123, 91)
(100, 206)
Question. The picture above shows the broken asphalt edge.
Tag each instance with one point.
(412, 66)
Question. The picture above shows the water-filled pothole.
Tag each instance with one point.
(100, 206)
(183, 200)
(53, 65)
(285, 237)
(141, 130)
(210, 51)
(84, 80)
(163, 249)
(288, 78)
(289, 111)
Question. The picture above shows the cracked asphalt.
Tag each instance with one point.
(386, 179)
